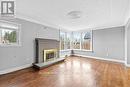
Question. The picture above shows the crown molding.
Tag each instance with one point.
(34, 20)
(31, 19)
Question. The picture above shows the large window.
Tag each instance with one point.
(65, 40)
(62, 40)
(86, 40)
(76, 40)
(9, 33)
(68, 40)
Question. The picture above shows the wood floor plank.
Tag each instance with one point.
(73, 72)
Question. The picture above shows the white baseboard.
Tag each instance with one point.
(29, 65)
(127, 65)
(15, 69)
(107, 59)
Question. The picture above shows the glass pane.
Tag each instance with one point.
(86, 40)
(68, 39)
(62, 40)
(8, 36)
(76, 40)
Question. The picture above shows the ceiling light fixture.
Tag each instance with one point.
(75, 14)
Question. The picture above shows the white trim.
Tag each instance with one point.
(102, 27)
(127, 65)
(14, 69)
(76, 50)
(107, 59)
(126, 39)
(63, 55)
(18, 31)
(65, 50)
(32, 19)
(43, 22)
(126, 44)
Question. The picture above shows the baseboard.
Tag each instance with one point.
(15, 69)
(65, 55)
(127, 65)
(107, 59)
(29, 65)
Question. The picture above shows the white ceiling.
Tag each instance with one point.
(95, 13)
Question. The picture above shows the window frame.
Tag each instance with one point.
(65, 38)
(18, 33)
(60, 40)
(91, 42)
(71, 41)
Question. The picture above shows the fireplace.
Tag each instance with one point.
(50, 54)
(47, 52)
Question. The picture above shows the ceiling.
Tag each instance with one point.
(95, 14)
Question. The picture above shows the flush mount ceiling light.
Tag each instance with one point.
(74, 14)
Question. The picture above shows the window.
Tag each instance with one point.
(76, 40)
(68, 40)
(86, 40)
(9, 33)
(62, 40)
(65, 40)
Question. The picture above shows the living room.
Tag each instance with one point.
(65, 43)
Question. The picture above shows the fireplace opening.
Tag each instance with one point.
(50, 54)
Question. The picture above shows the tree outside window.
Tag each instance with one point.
(76, 40)
(68, 40)
(62, 40)
(9, 33)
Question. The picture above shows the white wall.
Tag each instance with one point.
(108, 44)
(12, 57)
(17, 56)
(128, 43)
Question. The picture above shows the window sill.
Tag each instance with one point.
(76, 50)
(83, 50)
(65, 50)
(10, 45)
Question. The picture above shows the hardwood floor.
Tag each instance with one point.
(74, 72)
